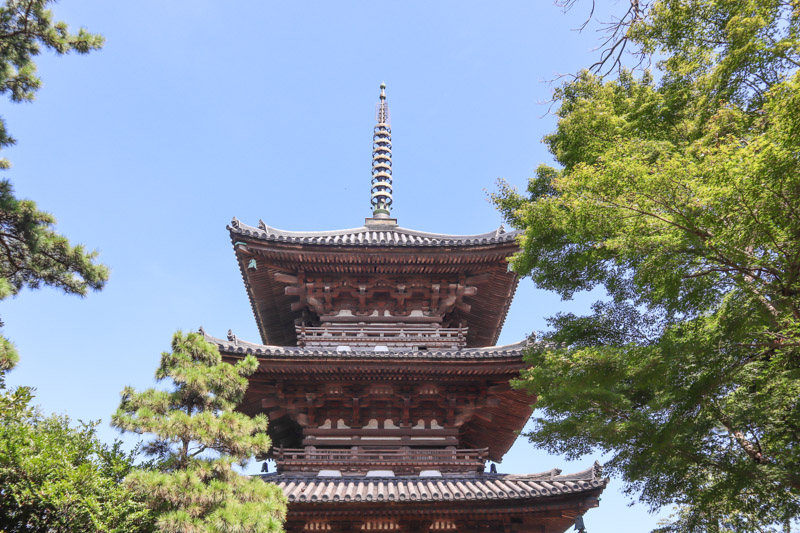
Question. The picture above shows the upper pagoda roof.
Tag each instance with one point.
(372, 235)
(379, 274)
(270, 261)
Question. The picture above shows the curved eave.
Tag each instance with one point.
(366, 236)
(239, 347)
(411, 490)
(362, 251)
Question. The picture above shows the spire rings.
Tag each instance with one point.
(381, 192)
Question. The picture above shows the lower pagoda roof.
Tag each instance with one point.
(548, 502)
(355, 489)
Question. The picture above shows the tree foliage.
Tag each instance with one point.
(27, 26)
(197, 438)
(53, 477)
(31, 252)
(59, 478)
(681, 199)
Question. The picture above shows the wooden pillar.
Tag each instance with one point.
(479, 525)
(346, 526)
(513, 527)
(464, 526)
(294, 526)
(415, 526)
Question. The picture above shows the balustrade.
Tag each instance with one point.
(398, 459)
(368, 336)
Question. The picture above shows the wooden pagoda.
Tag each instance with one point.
(378, 371)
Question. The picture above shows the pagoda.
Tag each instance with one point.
(385, 392)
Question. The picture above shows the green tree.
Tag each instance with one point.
(53, 477)
(58, 478)
(681, 199)
(31, 252)
(26, 26)
(197, 439)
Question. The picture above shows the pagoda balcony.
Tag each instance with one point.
(390, 336)
(400, 460)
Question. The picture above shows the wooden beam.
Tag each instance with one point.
(267, 403)
(285, 278)
(401, 432)
(402, 441)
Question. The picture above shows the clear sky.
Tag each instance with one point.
(195, 112)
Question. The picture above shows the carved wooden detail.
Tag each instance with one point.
(342, 404)
(295, 285)
(378, 298)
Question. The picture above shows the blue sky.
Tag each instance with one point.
(195, 112)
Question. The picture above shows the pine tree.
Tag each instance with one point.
(53, 477)
(31, 252)
(198, 437)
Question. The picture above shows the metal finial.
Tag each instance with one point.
(382, 160)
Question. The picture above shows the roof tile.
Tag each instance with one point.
(366, 236)
(412, 488)
(239, 346)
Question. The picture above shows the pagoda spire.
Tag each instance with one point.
(382, 160)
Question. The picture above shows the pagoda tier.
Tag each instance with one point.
(543, 503)
(384, 391)
(405, 411)
(379, 276)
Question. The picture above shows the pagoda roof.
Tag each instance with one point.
(240, 347)
(457, 487)
(495, 426)
(371, 235)
(378, 251)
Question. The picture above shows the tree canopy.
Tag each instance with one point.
(27, 26)
(31, 252)
(54, 477)
(197, 438)
(60, 478)
(677, 194)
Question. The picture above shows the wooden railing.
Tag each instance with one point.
(368, 336)
(398, 459)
